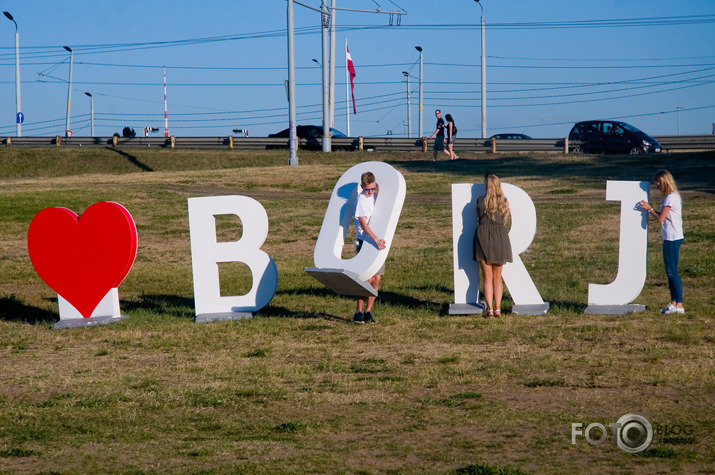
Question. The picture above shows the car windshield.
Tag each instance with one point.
(629, 127)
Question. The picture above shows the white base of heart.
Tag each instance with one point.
(107, 311)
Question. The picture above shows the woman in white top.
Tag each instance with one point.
(670, 218)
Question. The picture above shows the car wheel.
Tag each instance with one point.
(637, 151)
(577, 150)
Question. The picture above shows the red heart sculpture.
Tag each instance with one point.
(83, 258)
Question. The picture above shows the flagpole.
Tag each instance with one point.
(347, 89)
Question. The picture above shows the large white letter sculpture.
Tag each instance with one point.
(614, 298)
(349, 276)
(207, 253)
(527, 300)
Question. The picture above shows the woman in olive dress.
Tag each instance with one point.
(492, 247)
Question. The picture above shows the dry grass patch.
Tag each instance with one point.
(300, 389)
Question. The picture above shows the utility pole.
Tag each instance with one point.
(328, 116)
(331, 94)
(292, 140)
(484, 78)
(325, 17)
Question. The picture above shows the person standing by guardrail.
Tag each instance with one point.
(439, 133)
(451, 132)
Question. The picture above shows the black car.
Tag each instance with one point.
(309, 132)
(611, 136)
(488, 142)
(312, 134)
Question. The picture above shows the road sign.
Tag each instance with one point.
(20, 117)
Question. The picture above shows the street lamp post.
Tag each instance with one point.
(409, 120)
(68, 132)
(484, 77)
(18, 115)
(91, 102)
(419, 48)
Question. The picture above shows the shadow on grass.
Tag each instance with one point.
(384, 298)
(570, 307)
(14, 310)
(132, 159)
(692, 171)
(171, 305)
(282, 312)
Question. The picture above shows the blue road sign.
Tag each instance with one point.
(20, 117)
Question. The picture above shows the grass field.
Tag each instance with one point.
(299, 388)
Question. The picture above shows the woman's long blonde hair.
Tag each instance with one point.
(494, 200)
(665, 182)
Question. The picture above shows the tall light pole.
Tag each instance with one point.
(292, 140)
(409, 120)
(91, 102)
(484, 78)
(68, 132)
(419, 48)
(18, 116)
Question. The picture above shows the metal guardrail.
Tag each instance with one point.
(670, 143)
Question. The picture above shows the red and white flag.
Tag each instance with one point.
(351, 71)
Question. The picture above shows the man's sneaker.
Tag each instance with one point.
(368, 317)
(358, 318)
(673, 309)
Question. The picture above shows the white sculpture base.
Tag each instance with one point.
(107, 311)
(218, 317)
(531, 309)
(613, 309)
(467, 308)
(343, 282)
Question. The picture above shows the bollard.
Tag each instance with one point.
(494, 145)
(173, 141)
(58, 140)
(424, 144)
(361, 143)
(114, 140)
(230, 142)
(566, 146)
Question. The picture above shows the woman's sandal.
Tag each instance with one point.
(490, 313)
(497, 313)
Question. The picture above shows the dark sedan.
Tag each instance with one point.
(313, 135)
(308, 132)
(611, 136)
(488, 142)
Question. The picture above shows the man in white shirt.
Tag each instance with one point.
(363, 212)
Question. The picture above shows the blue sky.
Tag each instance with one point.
(549, 64)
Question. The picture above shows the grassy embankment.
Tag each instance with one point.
(300, 389)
